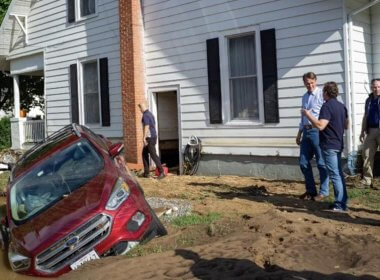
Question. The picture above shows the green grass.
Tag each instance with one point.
(365, 197)
(196, 219)
(3, 181)
(140, 251)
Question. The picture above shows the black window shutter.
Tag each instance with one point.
(71, 11)
(74, 93)
(104, 92)
(269, 69)
(214, 88)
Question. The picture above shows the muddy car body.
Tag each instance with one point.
(71, 199)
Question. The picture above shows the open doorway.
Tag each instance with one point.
(167, 126)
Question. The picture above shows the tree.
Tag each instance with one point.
(6, 92)
(3, 8)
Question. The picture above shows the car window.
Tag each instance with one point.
(59, 175)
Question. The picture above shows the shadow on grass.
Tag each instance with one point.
(290, 203)
(229, 268)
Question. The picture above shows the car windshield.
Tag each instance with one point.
(54, 178)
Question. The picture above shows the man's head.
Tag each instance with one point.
(330, 90)
(143, 106)
(375, 87)
(310, 81)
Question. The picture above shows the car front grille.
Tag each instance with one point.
(75, 245)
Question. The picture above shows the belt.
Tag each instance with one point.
(307, 127)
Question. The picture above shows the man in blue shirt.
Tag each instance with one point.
(371, 133)
(150, 140)
(309, 145)
(333, 120)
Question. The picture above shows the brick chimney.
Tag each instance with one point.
(132, 78)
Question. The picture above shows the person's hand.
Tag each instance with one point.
(362, 136)
(145, 143)
(305, 112)
(298, 139)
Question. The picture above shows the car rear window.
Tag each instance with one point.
(54, 178)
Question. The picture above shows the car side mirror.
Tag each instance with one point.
(115, 149)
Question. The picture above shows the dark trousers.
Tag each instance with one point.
(150, 149)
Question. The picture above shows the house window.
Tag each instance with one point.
(78, 10)
(87, 7)
(243, 78)
(91, 93)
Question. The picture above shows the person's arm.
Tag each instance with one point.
(320, 124)
(364, 128)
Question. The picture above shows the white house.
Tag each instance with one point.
(236, 68)
(75, 45)
(227, 71)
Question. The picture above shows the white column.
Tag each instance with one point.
(16, 96)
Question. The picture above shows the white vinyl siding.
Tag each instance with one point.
(362, 58)
(309, 38)
(64, 44)
(375, 32)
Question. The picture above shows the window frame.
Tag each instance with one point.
(224, 38)
(80, 64)
(78, 16)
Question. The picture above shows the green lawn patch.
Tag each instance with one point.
(196, 219)
(4, 181)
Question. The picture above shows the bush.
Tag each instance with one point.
(5, 133)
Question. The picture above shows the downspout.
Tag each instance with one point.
(351, 92)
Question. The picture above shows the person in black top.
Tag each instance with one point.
(370, 134)
(150, 140)
(333, 120)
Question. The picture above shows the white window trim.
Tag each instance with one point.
(80, 63)
(224, 73)
(78, 17)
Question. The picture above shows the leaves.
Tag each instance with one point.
(3, 8)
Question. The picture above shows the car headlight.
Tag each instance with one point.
(119, 194)
(17, 261)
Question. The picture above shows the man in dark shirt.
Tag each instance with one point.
(370, 133)
(333, 120)
(150, 140)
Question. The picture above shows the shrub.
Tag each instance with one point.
(5, 133)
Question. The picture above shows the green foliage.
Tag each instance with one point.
(31, 92)
(196, 219)
(3, 8)
(5, 133)
(6, 92)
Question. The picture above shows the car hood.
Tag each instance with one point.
(66, 215)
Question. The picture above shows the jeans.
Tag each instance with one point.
(334, 166)
(309, 148)
(151, 149)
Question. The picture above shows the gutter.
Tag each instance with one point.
(351, 70)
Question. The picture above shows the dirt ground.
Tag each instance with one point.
(265, 232)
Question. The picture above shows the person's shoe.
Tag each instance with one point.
(146, 175)
(306, 196)
(363, 185)
(319, 197)
(338, 209)
(161, 176)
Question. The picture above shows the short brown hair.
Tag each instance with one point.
(309, 75)
(374, 80)
(331, 89)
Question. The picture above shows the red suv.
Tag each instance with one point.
(71, 199)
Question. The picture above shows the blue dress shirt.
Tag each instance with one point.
(311, 101)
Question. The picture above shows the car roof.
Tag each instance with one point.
(50, 144)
